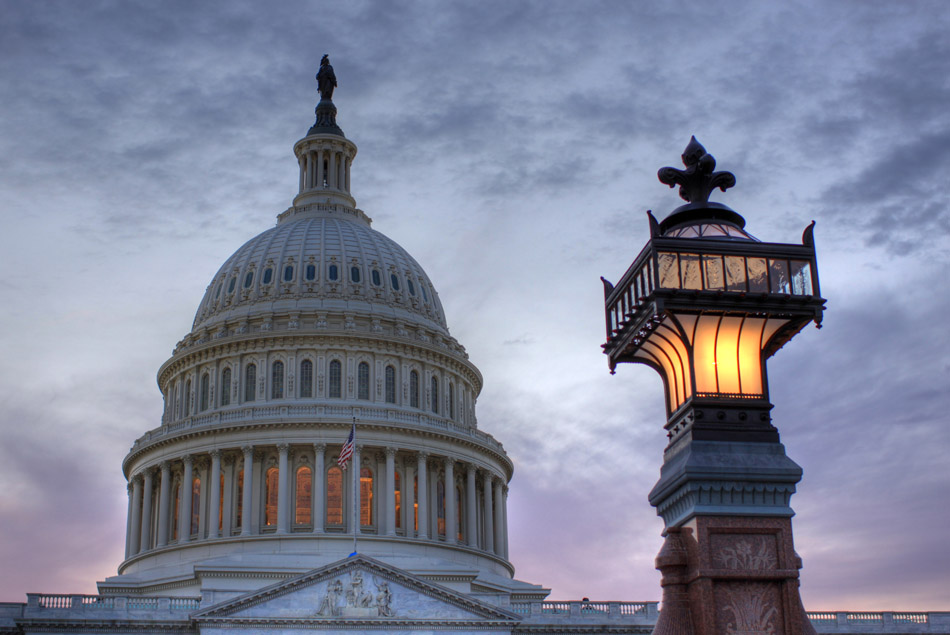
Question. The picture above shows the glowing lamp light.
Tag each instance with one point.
(705, 304)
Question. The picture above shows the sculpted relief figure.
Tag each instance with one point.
(384, 598)
(356, 596)
(329, 606)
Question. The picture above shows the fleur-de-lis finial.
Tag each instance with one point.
(698, 180)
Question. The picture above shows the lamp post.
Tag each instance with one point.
(705, 304)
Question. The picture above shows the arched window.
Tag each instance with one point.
(271, 481)
(336, 381)
(277, 380)
(366, 497)
(306, 378)
(250, 382)
(335, 496)
(333, 272)
(187, 397)
(390, 384)
(303, 498)
(288, 273)
(268, 275)
(239, 503)
(414, 389)
(411, 287)
(355, 274)
(395, 281)
(435, 395)
(425, 296)
(175, 509)
(205, 391)
(415, 503)
(248, 279)
(231, 284)
(377, 280)
(362, 376)
(195, 504)
(440, 506)
(226, 387)
(311, 272)
(451, 400)
(398, 488)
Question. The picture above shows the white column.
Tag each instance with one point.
(146, 535)
(451, 515)
(331, 178)
(128, 523)
(304, 163)
(489, 544)
(348, 161)
(499, 519)
(320, 175)
(319, 487)
(504, 521)
(184, 513)
(408, 501)
(164, 503)
(248, 487)
(282, 469)
(214, 506)
(471, 531)
(136, 515)
(357, 507)
(421, 458)
(227, 503)
(390, 491)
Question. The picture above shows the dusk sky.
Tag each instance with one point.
(511, 147)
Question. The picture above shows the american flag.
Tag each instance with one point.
(347, 452)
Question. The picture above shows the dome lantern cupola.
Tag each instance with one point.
(325, 154)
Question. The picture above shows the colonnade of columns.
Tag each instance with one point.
(300, 489)
(325, 168)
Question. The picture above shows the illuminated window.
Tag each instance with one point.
(366, 497)
(398, 488)
(277, 380)
(226, 387)
(239, 504)
(362, 376)
(250, 381)
(205, 391)
(271, 485)
(415, 503)
(336, 371)
(303, 497)
(195, 504)
(306, 378)
(390, 384)
(435, 395)
(440, 506)
(335, 496)
(414, 389)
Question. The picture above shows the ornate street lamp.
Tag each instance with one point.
(705, 304)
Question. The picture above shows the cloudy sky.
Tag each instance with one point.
(512, 148)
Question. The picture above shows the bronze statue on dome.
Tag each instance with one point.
(326, 79)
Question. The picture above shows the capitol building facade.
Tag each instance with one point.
(242, 517)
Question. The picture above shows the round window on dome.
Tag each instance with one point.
(377, 279)
(411, 287)
(268, 275)
(333, 272)
(231, 284)
(248, 279)
(395, 281)
(288, 273)
(355, 274)
(311, 272)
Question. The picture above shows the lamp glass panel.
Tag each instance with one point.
(758, 275)
(778, 276)
(727, 355)
(704, 354)
(654, 353)
(712, 266)
(691, 276)
(735, 273)
(801, 277)
(669, 271)
(750, 356)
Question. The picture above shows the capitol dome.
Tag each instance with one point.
(317, 330)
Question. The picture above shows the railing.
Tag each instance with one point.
(640, 612)
(101, 603)
(869, 618)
